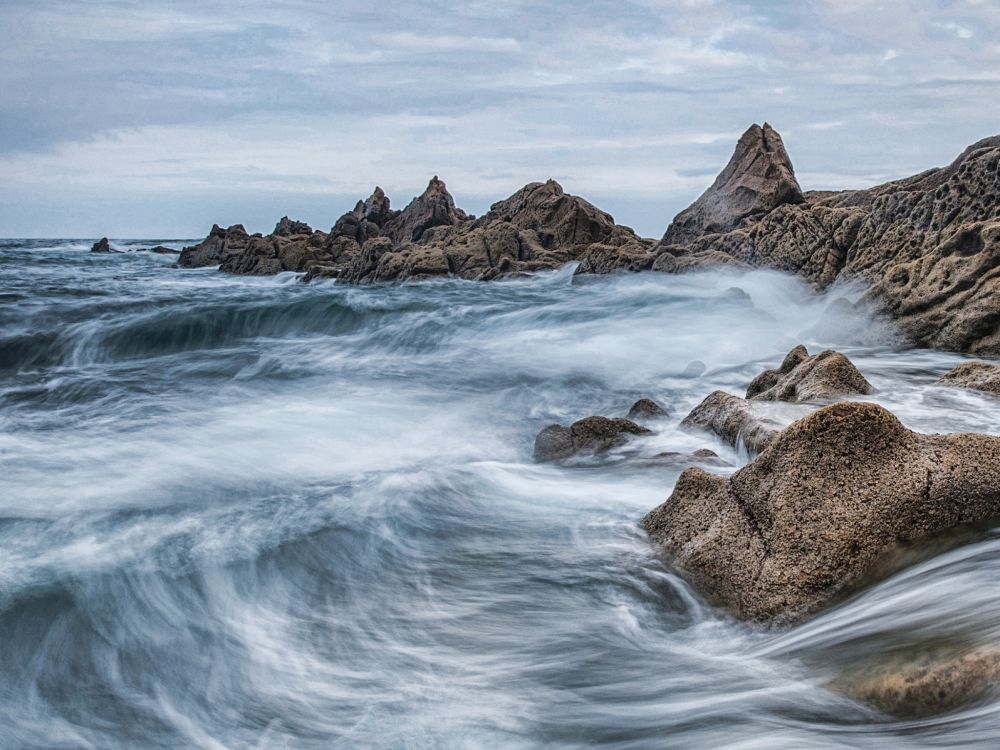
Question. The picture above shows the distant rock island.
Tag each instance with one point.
(927, 245)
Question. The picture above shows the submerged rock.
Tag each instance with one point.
(592, 434)
(803, 378)
(978, 376)
(932, 681)
(702, 456)
(821, 512)
(161, 250)
(734, 420)
(101, 246)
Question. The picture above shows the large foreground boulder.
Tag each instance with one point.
(821, 512)
(802, 378)
(977, 376)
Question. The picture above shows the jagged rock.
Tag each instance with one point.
(235, 251)
(101, 246)
(979, 376)
(592, 434)
(734, 420)
(758, 179)
(288, 228)
(604, 259)
(932, 681)
(821, 512)
(645, 408)
(433, 208)
(803, 378)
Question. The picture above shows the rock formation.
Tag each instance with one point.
(101, 246)
(928, 245)
(645, 408)
(802, 378)
(978, 376)
(820, 512)
(734, 420)
(592, 434)
(538, 227)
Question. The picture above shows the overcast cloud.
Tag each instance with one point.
(157, 118)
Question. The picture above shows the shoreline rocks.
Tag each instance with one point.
(733, 420)
(801, 378)
(591, 434)
(977, 376)
(821, 511)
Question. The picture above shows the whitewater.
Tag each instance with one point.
(242, 512)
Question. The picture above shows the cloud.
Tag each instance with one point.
(128, 107)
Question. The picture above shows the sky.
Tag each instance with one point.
(156, 119)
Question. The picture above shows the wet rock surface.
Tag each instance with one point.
(821, 511)
(802, 378)
(645, 408)
(733, 420)
(588, 435)
(978, 376)
(101, 246)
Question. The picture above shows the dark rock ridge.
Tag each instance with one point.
(803, 378)
(929, 245)
(538, 227)
(591, 434)
(822, 510)
(101, 246)
(978, 376)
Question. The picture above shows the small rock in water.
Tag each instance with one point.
(645, 408)
(803, 378)
(593, 434)
(733, 419)
(694, 369)
(977, 376)
(101, 246)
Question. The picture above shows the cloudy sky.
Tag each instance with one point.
(156, 118)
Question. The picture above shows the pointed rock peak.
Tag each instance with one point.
(376, 208)
(758, 178)
(436, 186)
(288, 227)
(433, 208)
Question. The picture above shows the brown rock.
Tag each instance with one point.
(734, 420)
(645, 408)
(758, 179)
(978, 376)
(930, 681)
(803, 378)
(288, 228)
(822, 511)
(591, 434)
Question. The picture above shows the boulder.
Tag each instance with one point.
(101, 246)
(924, 682)
(645, 408)
(823, 511)
(591, 434)
(734, 420)
(758, 178)
(979, 376)
(803, 378)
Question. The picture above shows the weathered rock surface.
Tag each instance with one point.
(734, 420)
(803, 378)
(933, 681)
(161, 250)
(703, 456)
(928, 245)
(821, 512)
(592, 434)
(979, 376)
(645, 408)
(758, 178)
(101, 246)
(538, 227)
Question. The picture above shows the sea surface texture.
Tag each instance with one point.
(254, 513)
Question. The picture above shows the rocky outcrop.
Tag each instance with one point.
(802, 378)
(589, 435)
(758, 179)
(236, 251)
(978, 376)
(160, 250)
(928, 246)
(734, 420)
(703, 456)
(101, 246)
(539, 227)
(288, 228)
(823, 510)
